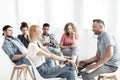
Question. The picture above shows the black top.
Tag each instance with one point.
(24, 40)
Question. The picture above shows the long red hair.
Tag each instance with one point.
(33, 29)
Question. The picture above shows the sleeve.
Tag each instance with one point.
(8, 49)
(33, 50)
(109, 40)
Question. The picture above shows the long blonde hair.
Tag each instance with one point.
(73, 27)
(32, 30)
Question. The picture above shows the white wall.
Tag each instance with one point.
(58, 13)
(8, 14)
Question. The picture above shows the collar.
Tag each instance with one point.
(101, 34)
(9, 38)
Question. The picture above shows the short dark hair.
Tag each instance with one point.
(99, 21)
(23, 25)
(6, 27)
(46, 25)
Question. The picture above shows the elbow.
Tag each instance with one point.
(51, 57)
(12, 58)
(110, 55)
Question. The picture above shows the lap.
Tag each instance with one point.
(100, 70)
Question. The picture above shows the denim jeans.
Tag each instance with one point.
(53, 50)
(51, 62)
(65, 72)
(101, 70)
(70, 51)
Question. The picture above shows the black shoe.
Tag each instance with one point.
(79, 71)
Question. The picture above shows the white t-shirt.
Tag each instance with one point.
(47, 38)
(33, 49)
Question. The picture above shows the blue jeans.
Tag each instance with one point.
(53, 50)
(50, 62)
(65, 72)
(69, 51)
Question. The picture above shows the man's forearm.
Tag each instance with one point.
(19, 56)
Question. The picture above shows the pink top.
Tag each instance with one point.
(67, 41)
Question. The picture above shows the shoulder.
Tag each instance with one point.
(15, 38)
(107, 35)
(64, 35)
(31, 44)
(52, 35)
(6, 41)
(19, 35)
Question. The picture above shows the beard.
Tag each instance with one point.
(9, 36)
(96, 33)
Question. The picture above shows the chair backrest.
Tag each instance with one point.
(38, 76)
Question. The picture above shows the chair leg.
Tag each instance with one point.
(13, 72)
(99, 77)
(102, 78)
(17, 74)
(28, 69)
(24, 72)
(20, 72)
(114, 78)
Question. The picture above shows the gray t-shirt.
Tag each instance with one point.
(106, 39)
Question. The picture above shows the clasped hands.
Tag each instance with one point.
(70, 61)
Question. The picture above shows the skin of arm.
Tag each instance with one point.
(50, 55)
(19, 56)
(62, 46)
(104, 59)
(91, 60)
(74, 39)
(48, 44)
(74, 57)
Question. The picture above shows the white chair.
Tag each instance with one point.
(110, 76)
(17, 71)
(38, 76)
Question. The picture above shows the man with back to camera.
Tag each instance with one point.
(107, 58)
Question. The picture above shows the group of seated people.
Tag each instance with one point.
(42, 48)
